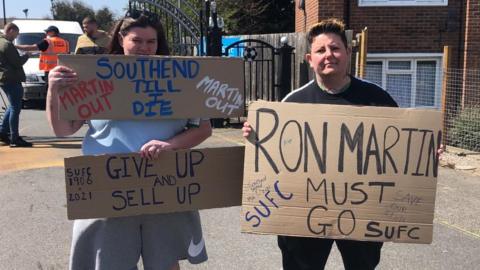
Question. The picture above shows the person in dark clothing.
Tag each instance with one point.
(11, 78)
(328, 57)
(369, 95)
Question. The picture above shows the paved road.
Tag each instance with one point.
(35, 233)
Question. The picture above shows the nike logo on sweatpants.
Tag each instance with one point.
(195, 249)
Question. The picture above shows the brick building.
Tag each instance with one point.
(405, 42)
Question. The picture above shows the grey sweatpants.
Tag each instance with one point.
(117, 243)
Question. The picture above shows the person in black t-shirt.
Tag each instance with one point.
(355, 92)
(328, 57)
(43, 45)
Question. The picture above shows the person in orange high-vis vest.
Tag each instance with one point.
(50, 48)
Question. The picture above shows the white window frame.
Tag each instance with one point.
(401, 3)
(414, 58)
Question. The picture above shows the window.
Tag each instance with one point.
(378, 3)
(412, 82)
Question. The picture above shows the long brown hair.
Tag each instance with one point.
(123, 26)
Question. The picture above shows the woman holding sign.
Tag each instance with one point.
(118, 243)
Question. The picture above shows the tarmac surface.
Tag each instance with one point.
(35, 232)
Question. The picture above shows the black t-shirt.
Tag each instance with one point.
(358, 93)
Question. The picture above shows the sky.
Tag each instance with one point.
(41, 8)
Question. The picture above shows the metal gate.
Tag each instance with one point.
(182, 23)
(268, 70)
(260, 66)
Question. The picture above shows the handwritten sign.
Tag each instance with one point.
(152, 87)
(127, 185)
(345, 172)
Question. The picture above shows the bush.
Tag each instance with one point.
(465, 131)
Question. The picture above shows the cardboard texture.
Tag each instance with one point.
(343, 172)
(127, 185)
(152, 87)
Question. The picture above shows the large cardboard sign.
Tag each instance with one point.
(345, 172)
(128, 185)
(152, 87)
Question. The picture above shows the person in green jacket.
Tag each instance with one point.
(11, 78)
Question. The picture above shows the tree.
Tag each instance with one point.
(240, 16)
(71, 11)
(105, 18)
(257, 16)
(77, 11)
(254, 16)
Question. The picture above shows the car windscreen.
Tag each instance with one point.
(34, 38)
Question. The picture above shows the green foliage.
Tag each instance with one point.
(105, 18)
(250, 16)
(257, 16)
(77, 10)
(465, 132)
(71, 11)
(254, 16)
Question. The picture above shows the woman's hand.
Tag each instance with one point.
(189, 138)
(61, 77)
(152, 149)
(247, 129)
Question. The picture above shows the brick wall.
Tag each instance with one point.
(396, 29)
(472, 35)
(316, 10)
(306, 17)
(471, 78)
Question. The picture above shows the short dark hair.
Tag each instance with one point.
(332, 26)
(89, 19)
(10, 27)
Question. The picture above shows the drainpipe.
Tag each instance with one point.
(346, 13)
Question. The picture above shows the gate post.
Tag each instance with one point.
(285, 69)
(214, 45)
(207, 27)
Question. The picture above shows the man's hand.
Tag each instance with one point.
(440, 150)
(247, 129)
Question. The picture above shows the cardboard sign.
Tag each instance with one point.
(152, 87)
(345, 172)
(128, 185)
